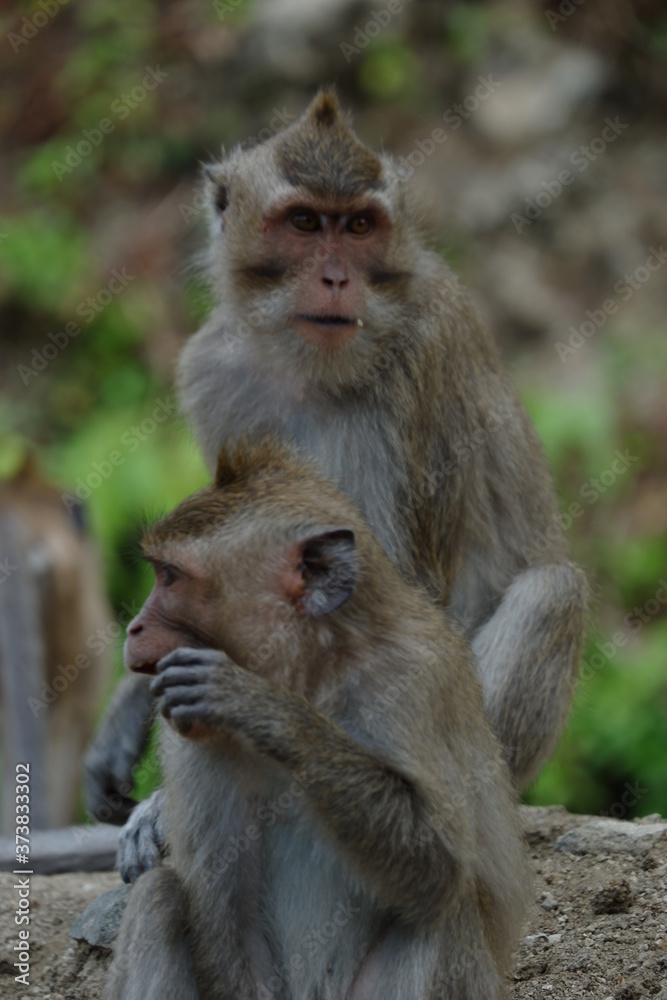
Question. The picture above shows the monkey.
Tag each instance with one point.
(53, 669)
(340, 816)
(339, 329)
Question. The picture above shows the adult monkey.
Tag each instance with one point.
(339, 330)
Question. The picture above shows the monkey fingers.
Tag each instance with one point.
(232, 686)
(185, 655)
(183, 697)
(141, 843)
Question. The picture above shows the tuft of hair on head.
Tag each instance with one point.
(322, 153)
(239, 464)
(325, 107)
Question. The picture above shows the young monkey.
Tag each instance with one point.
(340, 818)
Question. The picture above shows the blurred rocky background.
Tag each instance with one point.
(536, 134)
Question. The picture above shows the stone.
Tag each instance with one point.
(98, 924)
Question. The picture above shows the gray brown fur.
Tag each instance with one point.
(53, 668)
(365, 724)
(422, 393)
(416, 420)
(325, 156)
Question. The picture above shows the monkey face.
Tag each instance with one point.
(178, 612)
(311, 254)
(328, 251)
(236, 572)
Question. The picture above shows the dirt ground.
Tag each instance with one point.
(596, 926)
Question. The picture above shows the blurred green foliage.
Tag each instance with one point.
(618, 731)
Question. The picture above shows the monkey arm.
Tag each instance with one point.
(395, 828)
(116, 749)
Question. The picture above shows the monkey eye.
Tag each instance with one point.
(307, 222)
(166, 574)
(360, 225)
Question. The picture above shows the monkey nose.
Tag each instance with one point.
(135, 627)
(335, 278)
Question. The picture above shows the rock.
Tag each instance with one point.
(98, 924)
(549, 903)
(612, 836)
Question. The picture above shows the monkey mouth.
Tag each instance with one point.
(329, 319)
(147, 667)
(328, 332)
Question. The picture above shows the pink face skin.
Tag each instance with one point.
(187, 608)
(180, 596)
(330, 254)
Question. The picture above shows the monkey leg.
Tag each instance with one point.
(152, 958)
(528, 655)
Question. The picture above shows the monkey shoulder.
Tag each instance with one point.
(223, 390)
(422, 678)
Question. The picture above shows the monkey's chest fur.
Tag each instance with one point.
(367, 465)
(299, 923)
(351, 439)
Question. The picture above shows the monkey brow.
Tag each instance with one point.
(331, 164)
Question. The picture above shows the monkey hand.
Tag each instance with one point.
(202, 691)
(115, 751)
(141, 844)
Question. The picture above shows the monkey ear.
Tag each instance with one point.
(221, 199)
(326, 572)
(221, 191)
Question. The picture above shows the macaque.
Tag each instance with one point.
(340, 818)
(53, 666)
(341, 332)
